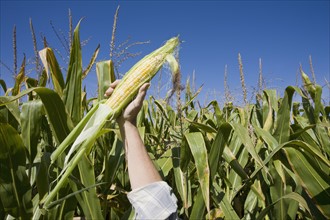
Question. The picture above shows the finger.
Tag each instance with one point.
(112, 86)
(108, 92)
(115, 83)
(142, 93)
(144, 87)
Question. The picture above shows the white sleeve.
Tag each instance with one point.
(153, 201)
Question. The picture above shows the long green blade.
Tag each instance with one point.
(72, 92)
(53, 69)
(199, 152)
(312, 178)
(15, 189)
(31, 114)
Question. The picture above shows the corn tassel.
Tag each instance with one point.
(140, 73)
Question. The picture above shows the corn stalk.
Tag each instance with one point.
(128, 87)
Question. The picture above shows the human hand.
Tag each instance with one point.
(130, 113)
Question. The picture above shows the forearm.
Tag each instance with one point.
(141, 170)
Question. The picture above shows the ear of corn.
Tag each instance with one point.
(140, 73)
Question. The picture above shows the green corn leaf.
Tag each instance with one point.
(90, 202)
(308, 136)
(255, 116)
(269, 104)
(12, 107)
(298, 131)
(310, 87)
(181, 180)
(218, 112)
(238, 174)
(90, 131)
(67, 170)
(246, 140)
(66, 209)
(91, 62)
(192, 115)
(3, 85)
(324, 137)
(218, 147)
(282, 123)
(221, 200)
(311, 177)
(233, 162)
(54, 107)
(42, 81)
(282, 131)
(113, 159)
(202, 127)
(19, 79)
(185, 155)
(251, 204)
(297, 145)
(60, 127)
(59, 121)
(272, 97)
(318, 107)
(292, 195)
(165, 162)
(190, 101)
(31, 82)
(160, 106)
(266, 137)
(308, 110)
(43, 176)
(327, 112)
(53, 69)
(113, 162)
(59, 201)
(31, 114)
(2, 211)
(235, 147)
(15, 189)
(73, 134)
(293, 206)
(278, 189)
(198, 208)
(72, 92)
(198, 149)
(105, 76)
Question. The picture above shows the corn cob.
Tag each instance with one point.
(140, 73)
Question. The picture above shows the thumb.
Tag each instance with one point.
(142, 93)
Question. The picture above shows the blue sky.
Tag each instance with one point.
(282, 33)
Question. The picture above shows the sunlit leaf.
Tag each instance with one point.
(72, 90)
(198, 150)
(105, 76)
(31, 114)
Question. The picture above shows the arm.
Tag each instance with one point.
(151, 197)
(141, 170)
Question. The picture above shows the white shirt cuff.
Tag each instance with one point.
(153, 201)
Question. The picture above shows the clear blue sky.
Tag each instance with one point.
(282, 33)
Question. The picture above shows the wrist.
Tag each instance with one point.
(126, 123)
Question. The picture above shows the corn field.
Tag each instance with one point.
(267, 160)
